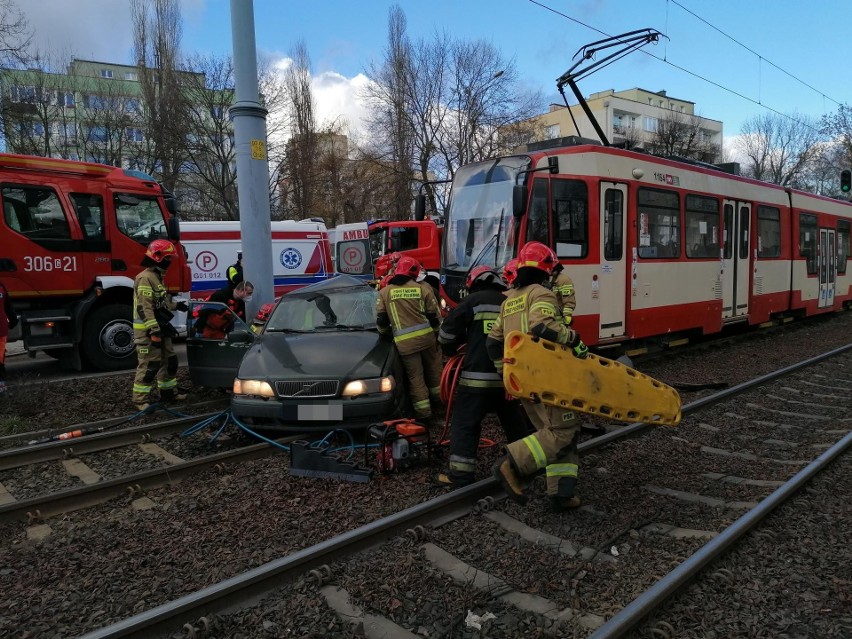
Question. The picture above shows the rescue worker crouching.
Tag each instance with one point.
(480, 387)
(531, 308)
(217, 322)
(152, 331)
(408, 310)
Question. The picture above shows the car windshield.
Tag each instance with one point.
(349, 308)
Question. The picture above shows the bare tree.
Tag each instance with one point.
(778, 148)
(15, 35)
(681, 134)
(156, 43)
(211, 174)
(837, 127)
(302, 143)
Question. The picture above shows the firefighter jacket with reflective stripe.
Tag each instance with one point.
(532, 309)
(563, 287)
(409, 310)
(149, 295)
(469, 323)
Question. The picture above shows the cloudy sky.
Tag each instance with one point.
(729, 56)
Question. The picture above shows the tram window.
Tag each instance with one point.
(768, 231)
(729, 231)
(537, 223)
(570, 212)
(808, 240)
(36, 213)
(613, 225)
(659, 223)
(843, 244)
(702, 226)
(744, 225)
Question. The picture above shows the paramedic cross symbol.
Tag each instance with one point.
(290, 258)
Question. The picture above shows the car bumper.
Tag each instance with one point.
(316, 415)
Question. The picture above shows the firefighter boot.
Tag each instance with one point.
(509, 478)
(172, 395)
(563, 504)
(450, 479)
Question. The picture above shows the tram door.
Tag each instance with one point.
(610, 285)
(827, 267)
(735, 262)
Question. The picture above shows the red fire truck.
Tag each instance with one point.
(73, 235)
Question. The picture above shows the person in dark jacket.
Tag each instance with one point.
(8, 321)
(215, 322)
(235, 271)
(480, 387)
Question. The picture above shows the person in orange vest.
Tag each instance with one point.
(8, 321)
(408, 310)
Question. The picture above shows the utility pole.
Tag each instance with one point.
(249, 118)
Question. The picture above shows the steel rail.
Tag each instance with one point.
(249, 585)
(50, 451)
(65, 501)
(107, 422)
(671, 583)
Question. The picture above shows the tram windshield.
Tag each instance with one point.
(479, 227)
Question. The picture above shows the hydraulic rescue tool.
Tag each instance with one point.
(538, 370)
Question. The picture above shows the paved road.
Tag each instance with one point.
(21, 368)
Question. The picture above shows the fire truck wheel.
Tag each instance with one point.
(108, 338)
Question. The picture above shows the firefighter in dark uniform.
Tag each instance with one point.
(532, 308)
(408, 309)
(480, 386)
(8, 321)
(152, 308)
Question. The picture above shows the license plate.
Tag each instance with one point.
(320, 412)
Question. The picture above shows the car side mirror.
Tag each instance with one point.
(240, 336)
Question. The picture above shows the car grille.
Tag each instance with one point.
(307, 388)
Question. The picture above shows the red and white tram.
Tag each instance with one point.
(655, 247)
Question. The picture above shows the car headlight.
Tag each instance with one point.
(254, 387)
(368, 386)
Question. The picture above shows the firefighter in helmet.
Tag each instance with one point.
(563, 286)
(386, 268)
(152, 311)
(408, 309)
(532, 308)
(510, 271)
(480, 386)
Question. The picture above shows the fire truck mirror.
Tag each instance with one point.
(420, 207)
(519, 200)
(174, 229)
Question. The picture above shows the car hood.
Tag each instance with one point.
(334, 355)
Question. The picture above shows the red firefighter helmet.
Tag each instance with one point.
(537, 255)
(386, 264)
(483, 275)
(510, 271)
(159, 250)
(408, 266)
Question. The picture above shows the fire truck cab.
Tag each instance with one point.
(73, 235)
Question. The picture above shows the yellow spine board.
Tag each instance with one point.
(539, 370)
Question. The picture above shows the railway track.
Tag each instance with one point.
(693, 493)
(71, 454)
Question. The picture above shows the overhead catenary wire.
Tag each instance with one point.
(664, 60)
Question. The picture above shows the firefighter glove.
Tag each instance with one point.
(182, 306)
(573, 338)
(156, 337)
(581, 350)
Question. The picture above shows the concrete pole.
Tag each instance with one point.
(249, 118)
